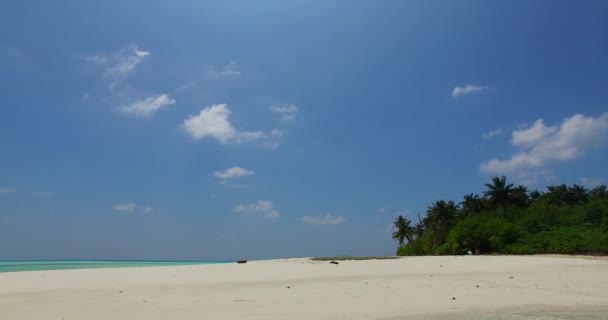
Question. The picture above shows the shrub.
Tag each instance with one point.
(565, 240)
(483, 233)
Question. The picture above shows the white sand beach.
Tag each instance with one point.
(304, 289)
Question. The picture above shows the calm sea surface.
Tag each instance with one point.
(11, 266)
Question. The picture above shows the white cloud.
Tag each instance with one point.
(231, 69)
(125, 207)
(213, 122)
(41, 193)
(283, 108)
(247, 136)
(272, 214)
(540, 144)
(491, 134)
(383, 209)
(288, 118)
(591, 182)
(232, 173)
(127, 60)
(534, 177)
(8, 190)
(327, 219)
(468, 89)
(264, 208)
(120, 65)
(131, 207)
(273, 139)
(288, 112)
(276, 133)
(533, 135)
(258, 206)
(149, 106)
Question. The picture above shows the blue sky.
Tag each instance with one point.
(234, 129)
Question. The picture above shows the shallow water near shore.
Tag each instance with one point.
(15, 266)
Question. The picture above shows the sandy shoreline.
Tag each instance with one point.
(305, 289)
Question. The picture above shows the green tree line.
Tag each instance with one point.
(509, 219)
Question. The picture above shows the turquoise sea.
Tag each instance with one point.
(12, 266)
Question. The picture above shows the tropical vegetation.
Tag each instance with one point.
(508, 219)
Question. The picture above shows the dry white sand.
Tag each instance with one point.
(304, 289)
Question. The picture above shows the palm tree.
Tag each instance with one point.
(403, 230)
(419, 230)
(471, 204)
(499, 193)
(578, 194)
(520, 196)
(441, 213)
(419, 227)
(535, 196)
(599, 192)
(440, 217)
(558, 195)
(563, 195)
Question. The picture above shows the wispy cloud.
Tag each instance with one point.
(114, 69)
(231, 69)
(149, 106)
(97, 59)
(126, 61)
(541, 144)
(232, 173)
(131, 207)
(213, 122)
(467, 89)
(287, 112)
(492, 134)
(590, 182)
(120, 65)
(8, 190)
(272, 214)
(125, 207)
(262, 208)
(328, 219)
(40, 193)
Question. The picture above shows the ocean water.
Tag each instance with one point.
(13, 266)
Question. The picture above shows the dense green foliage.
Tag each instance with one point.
(511, 220)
